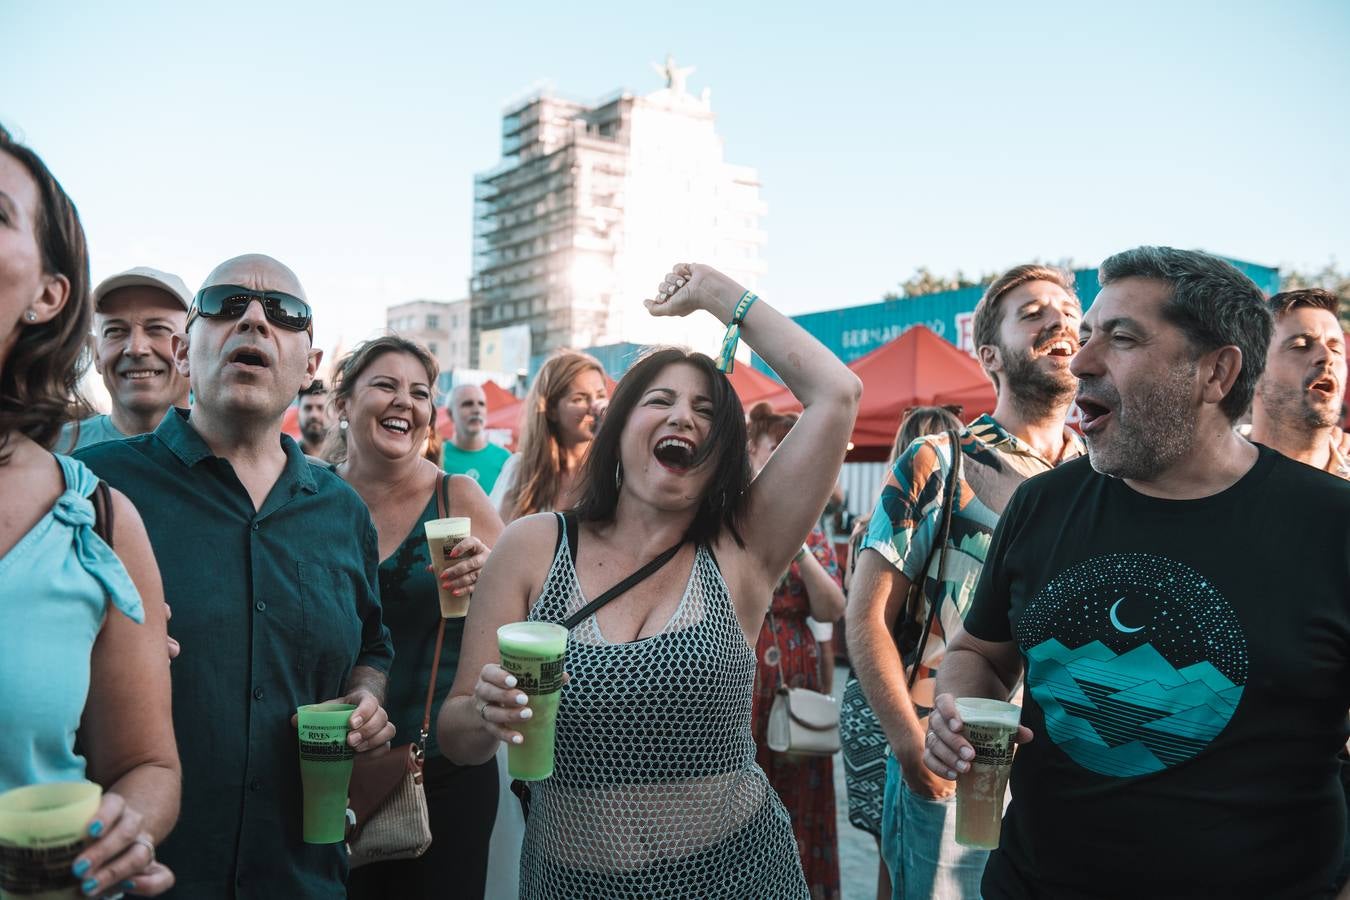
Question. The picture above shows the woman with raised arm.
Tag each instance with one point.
(561, 413)
(655, 792)
(83, 651)
(383, 396)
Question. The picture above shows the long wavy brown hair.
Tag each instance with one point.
(39, 386)
(539, 472)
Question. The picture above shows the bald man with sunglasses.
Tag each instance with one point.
(270, 562)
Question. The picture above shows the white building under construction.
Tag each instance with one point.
(590, 206)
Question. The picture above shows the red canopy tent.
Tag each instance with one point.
(752, 385)
(916, 369)
(290, 423)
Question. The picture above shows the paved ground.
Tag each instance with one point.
(857, 849)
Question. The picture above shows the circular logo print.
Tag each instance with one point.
(1137, 661)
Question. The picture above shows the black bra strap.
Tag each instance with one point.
(573, 534)
(567, 525)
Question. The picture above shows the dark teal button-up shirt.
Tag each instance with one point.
(273, 608)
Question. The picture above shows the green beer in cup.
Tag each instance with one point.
(533, 652)
(325, 770)
(42, 829)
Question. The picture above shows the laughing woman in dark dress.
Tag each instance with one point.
(383, 396)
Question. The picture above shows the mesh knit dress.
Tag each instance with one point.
(655, 792)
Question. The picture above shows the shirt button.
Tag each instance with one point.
(260, 606)
(256, 526)
(257, 693)
(254, 785)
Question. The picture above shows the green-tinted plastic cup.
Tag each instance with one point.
(42, 829)
(533, 652)
(325, 770)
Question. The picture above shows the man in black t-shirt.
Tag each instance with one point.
(1181, 609)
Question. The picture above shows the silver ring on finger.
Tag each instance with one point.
(144, 841)
(482, 709)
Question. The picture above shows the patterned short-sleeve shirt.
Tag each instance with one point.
(906, 521)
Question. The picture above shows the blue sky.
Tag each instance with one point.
(342, 138)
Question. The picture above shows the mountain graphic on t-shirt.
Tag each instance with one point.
(1128, 714)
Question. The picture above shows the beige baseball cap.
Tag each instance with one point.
(144, 276)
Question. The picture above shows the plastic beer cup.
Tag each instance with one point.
(533, 652)
(325, 770)
(42, 829)
(442, 536)
(989, 725)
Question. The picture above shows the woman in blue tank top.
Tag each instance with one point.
(83, 647)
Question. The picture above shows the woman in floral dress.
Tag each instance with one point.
(810, 589)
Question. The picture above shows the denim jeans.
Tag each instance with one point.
(918, 842)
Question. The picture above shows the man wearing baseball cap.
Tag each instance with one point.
(136, 315)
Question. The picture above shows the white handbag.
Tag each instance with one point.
(801, 721)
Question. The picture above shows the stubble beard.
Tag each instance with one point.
(1150, 433)
(1036, 393)
(1296, 410)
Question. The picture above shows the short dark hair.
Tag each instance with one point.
(1315, 298)
(723, 503)
(1213, 304)
(39, 386)
(315, 387)
(988, 314)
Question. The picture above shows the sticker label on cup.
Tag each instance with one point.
(446, 548)
(535, 676)
(30, 870)
(325, 744)
(993, 743)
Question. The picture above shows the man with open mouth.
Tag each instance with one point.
(1026, 333)
(270, 561)
(1178, 608)
(136, 315)
(1300, 395)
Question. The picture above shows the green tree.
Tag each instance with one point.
(924, 282)
(1329, 278)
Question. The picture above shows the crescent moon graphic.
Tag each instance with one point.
(1115, 620)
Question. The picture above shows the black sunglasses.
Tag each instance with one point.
(230, 301)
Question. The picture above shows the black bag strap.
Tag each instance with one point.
(651, 568)
(103, 512)
(442, 511)
(940, 548)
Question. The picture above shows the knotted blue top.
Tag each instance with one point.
(55, 587)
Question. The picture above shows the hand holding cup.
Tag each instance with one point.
(121, 856)
(469, 555)
(947, 752)
(500, 704)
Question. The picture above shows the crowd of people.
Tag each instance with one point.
(1165, 592)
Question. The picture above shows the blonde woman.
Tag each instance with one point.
(562, 413)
